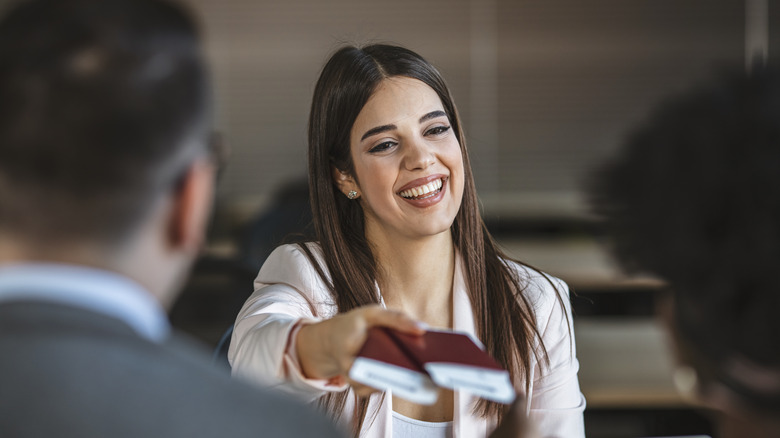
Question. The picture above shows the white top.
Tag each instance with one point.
(92, 289)
(288, 289)
(405, 427)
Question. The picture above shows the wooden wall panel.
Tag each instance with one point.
(546, 88)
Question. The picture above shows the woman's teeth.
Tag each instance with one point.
(423, 191)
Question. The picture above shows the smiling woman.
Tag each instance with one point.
(400, 243)
(406, 163)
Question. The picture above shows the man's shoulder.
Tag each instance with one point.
(125, 385)
(242, 407)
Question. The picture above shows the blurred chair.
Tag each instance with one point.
(288, 218)
(212, 297)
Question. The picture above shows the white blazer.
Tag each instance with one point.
(288, 289)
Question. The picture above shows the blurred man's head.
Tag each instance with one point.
(104, 114)
(693, 197)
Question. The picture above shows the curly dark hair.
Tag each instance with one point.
(693, 197)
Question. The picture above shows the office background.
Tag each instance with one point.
(546, 90)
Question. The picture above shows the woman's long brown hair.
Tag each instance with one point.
(505, 320)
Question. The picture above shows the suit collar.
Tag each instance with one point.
(90, 289)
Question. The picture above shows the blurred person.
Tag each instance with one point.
(398, 228)
(105, 190)
(693, 197)
(287, 219)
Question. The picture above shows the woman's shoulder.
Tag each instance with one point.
(294, 264)
(548, 294)
(536, 281)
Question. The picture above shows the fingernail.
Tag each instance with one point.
(422, 325)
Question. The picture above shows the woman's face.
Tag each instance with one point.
(408, 167)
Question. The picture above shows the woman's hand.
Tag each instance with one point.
(327, 349)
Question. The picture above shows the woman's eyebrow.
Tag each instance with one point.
(385, 128)
(378, 130)
(432, 115)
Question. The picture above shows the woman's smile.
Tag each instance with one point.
(423, 188)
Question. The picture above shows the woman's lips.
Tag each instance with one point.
(425, 194)
(422, 191)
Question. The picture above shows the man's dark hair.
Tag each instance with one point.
(97, 116)
(693, 197)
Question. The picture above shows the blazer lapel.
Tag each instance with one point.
(465, 424)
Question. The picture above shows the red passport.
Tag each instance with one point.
(413, 367)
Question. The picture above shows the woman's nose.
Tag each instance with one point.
(418, 155)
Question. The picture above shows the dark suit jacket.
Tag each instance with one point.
(68, 372)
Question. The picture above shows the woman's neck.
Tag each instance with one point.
(415, 276)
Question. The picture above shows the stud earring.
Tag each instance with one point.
(352, 194)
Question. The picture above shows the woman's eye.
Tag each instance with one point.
(382, 146)
(437, 130)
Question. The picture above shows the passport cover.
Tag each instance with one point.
(413, 366)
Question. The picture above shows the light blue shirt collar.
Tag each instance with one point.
(88, 288)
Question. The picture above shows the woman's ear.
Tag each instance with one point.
(345, 182)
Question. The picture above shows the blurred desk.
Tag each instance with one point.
(625, 363)
(583, 262)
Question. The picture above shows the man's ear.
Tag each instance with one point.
(191, 207)
(344, 181)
